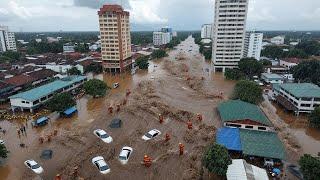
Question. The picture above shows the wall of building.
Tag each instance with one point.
(253, 45)
(248, 126)
(206, 31)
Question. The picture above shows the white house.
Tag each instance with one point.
(272, 78)
(241, 170)
(278, 40)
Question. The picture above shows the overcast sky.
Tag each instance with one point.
(81, 15)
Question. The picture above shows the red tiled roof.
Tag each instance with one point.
(293, 60)
(112, 8)
(20, 80)
(42, 74)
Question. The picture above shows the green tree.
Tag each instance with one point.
(95, 87)
(307, 71)
(266, 63)
(207, 54)
(234, 74)
(248, 91)
(272, 52)
(94, 67)
(60, 102)
(297, 53)
(310, 47)
(3, 151)
(9, 56)
(74, 71)
(314, 118)
(82, 48)
(142, 62)
(216, 159)
(309, 167)
(250, 67)
(159, 54)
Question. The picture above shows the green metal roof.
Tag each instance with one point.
(262, 144)
(235, 110)
(301, 90)
(47, 89)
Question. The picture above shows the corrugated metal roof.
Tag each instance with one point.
(271, 76)
(300, 90)
(235, 110)
(230, 138)
(47, 89)
(262, 144)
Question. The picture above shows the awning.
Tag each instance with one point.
(230, 138)
(70, 111)
(41, 120)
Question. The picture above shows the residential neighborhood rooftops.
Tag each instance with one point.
(235, 110)
(44, 90)
(271, 76)
(301, 90)
(44, 73)
(20, 80)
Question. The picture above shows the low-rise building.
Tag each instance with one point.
(298, 97)
(271, 78)
(68, 48)
(240, 114)
(277, 40)
(32, 99)
(288, 63)
(240, 169)
(20, 82)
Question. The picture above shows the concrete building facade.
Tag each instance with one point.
(161, 38)
(228, 33)
(253, 45)
(7, 40)
(206, 31)
(115, 38)
(277, 40)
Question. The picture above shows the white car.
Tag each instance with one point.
(1, 141)
(125, 154)
(115, 85)
(151, 134)
(34, 166)
(101, 164)
(104, 136)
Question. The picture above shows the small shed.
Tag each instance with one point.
(115, 123)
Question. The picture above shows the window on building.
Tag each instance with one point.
(233, 125)
(262, 128)
(249, 127)
(36, 102)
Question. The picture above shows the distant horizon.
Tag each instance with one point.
(153, 31)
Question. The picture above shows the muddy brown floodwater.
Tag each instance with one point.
(178, 86)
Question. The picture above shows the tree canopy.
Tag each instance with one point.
(307, 71)
(142, 62)
(250, 67)
(248, 91)
(310, 47)
(9, 56)
(82, 48)
(309, 167)
(216, 159)
(159, 54)
(314, 118)
(74, 71)
(44, 47)
(274, 52)
(95, 87)
(234, 74)
(60, 102)
(3, 151)
(94, 67)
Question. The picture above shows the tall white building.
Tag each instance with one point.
(228, 33)
(253, 45)
(278, 40)
(7, 40)
(206, 31)
(115, 38)
(161, 38)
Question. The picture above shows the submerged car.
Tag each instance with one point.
(125, 154)
(101, 164)
(34, 166)
(115, 85)
(1, 141)
(151, 134)
(104, 136)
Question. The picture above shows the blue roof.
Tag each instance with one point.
(47, 89)
(230, 138)
(42, 119)
(70, 110)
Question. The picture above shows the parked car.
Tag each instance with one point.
(125, 154)
(1, 141)
(34, 166)
(268, 162)
(101, 164)
(104, 136)
(115, 85)
(151, 134)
